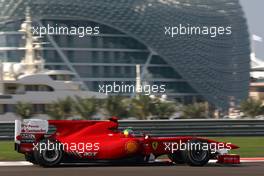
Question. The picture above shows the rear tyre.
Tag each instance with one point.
(196, 156)
(176, 157)
(49, 156)
(31, 158)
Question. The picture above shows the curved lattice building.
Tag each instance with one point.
(193, 67)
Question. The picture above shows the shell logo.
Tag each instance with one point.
(131, 146)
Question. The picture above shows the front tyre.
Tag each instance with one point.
(49, 153)
(195, 155)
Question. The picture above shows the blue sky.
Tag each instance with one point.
(254, 11)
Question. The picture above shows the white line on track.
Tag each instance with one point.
(15, 163)
(25, 163)
(242, 160)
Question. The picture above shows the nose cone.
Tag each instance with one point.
(233, 146)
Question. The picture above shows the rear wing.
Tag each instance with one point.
(30, 127)
(26, 131)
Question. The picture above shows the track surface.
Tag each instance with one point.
(245, 169)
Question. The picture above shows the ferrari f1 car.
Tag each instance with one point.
(51, 142)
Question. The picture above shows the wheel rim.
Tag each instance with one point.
(199, 154)
(50, 155)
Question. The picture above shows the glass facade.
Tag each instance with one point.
(106, 58)
(192, 67)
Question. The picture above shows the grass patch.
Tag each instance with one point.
(7, 152)
(249, 147)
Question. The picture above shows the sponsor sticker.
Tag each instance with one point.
(34, 126)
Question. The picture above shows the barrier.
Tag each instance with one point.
(189, 127)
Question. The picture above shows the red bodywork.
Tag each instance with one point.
(105, 141)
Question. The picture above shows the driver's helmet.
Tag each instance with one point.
(128, 131)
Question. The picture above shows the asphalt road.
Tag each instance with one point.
(245, 169)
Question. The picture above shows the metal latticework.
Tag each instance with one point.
(217, 68)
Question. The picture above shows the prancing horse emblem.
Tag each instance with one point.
(155, 145)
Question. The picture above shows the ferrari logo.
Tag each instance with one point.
(155, 145)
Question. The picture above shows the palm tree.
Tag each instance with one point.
(24, 110)
(196, 110)
(142, 106)
(61, 109)
(163, 109)
(86, 107)
(251, 107)
(116, 106)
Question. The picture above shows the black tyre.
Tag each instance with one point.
(31, 158)
(196, 156)
(176, 157)
(50, 156)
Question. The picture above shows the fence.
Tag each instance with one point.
(190, 127)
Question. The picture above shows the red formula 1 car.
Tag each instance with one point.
(101, 141)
